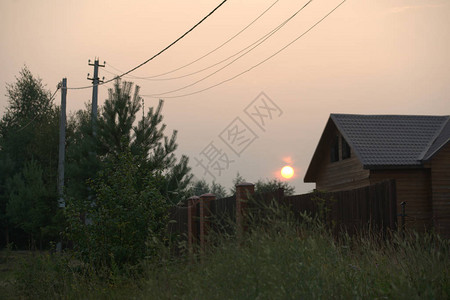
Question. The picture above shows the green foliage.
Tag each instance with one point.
(238, 179)
(303, 262)
(200, 187)
(266, 186)
(29, 206)
(122, 176)
(279, 259)
(28, 135)
(126, 219)
(82, 163)
(324, 202)
(29, 128)
(218, 190)
(41, 276)
(146, 141)
(120, 130)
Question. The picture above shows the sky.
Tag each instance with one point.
(366, 57)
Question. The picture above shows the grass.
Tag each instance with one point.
(309, 264)
(279, 259)
(8, 262)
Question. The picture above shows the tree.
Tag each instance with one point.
(28, 132)
(82, 163)
(132, 172)
(266, 186)
(126, 217)
(28, 207)
(201, 187)
(238, 179)
(29, 128)
(119, 130)
(218, 190)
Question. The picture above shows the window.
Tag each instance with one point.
(334, 153)
(346, 152)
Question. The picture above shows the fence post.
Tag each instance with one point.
(205, 213)
(192, 219)
(393, 204)
(403, 214)
(244, 191)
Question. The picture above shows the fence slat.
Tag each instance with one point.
(352, 210)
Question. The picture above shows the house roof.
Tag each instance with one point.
(389, 141)
(441, 140)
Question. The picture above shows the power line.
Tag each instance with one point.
(258, 64)
(259, 42)
(203, 56)
(112, 73)
(115, 76)
(57, 88)
(160, 52)
(32, 120)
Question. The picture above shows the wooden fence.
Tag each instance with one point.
(223, 214)
(372, 206)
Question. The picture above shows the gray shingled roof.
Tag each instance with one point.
(439, 142)
(393, 140)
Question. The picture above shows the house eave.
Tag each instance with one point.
(393, 167)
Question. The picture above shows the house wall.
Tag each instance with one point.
(440, 185)
(414, 187)
(340, 175)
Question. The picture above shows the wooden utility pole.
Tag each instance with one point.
(62, 144)
(95, 81)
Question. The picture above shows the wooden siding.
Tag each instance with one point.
(341, 175)
(440, 185)
(413, 187)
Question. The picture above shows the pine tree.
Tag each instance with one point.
(200, 187)
(120, 130)
(238, 179)
(122, 177)
(218, 190)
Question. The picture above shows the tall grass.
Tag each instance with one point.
(282, 259)
(277, 258)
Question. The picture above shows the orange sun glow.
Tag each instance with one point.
(287, 172)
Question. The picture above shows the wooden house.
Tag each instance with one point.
(359, 150)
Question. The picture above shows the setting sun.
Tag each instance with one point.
(287, 172)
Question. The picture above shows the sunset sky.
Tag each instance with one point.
(367, 57)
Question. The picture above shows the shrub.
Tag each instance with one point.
(125, 220)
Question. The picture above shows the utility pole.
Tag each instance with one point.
(62, 143)
(95, 82)
(62, 151)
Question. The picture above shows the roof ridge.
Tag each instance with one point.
(388, 115)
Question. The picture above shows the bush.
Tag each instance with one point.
(124, 222)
